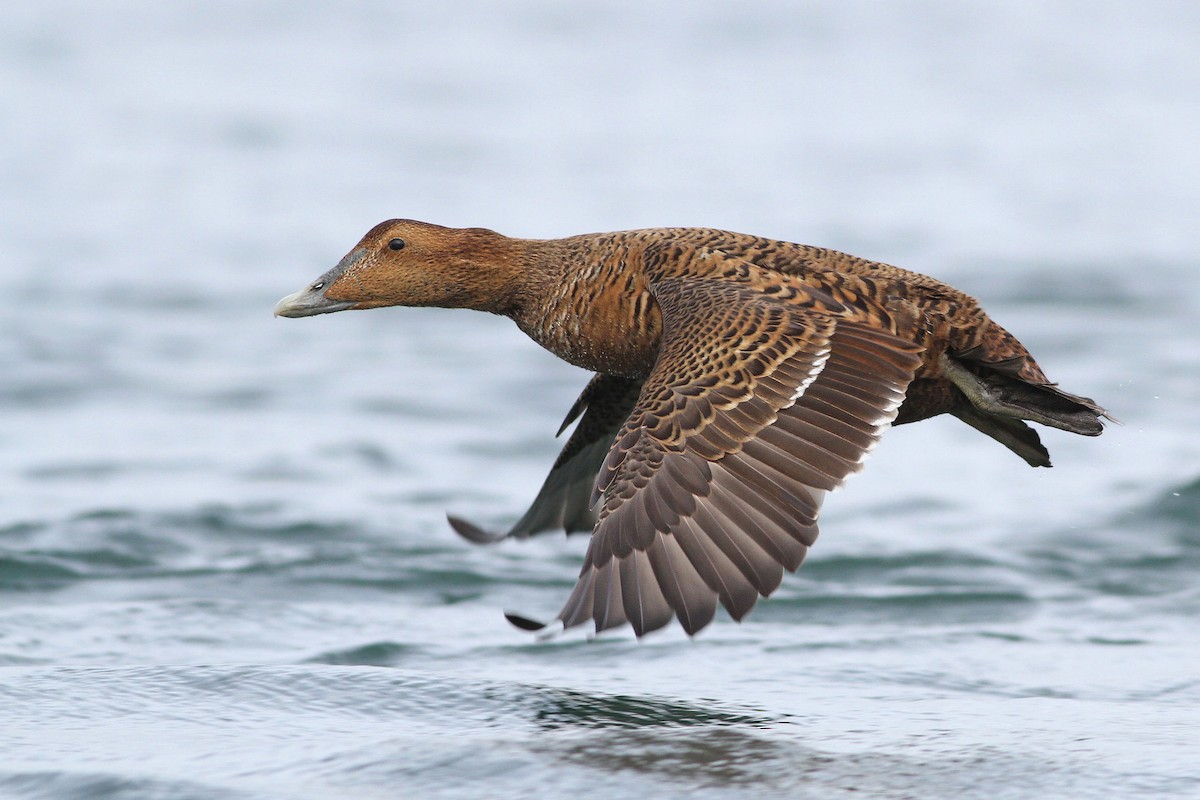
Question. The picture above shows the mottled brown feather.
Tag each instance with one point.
(738, 379)
(659, 477)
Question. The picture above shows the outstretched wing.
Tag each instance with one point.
(762, 399)
(564, 501)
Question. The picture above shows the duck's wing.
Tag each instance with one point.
(763, 398)
(565, 499)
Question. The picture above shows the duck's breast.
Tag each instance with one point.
(602, 316)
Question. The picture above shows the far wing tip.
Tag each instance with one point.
(524, 623)
(472, 532)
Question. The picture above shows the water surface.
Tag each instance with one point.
(224, 562)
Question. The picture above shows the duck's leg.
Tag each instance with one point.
(1012, 433)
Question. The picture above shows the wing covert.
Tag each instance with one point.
(754, 409)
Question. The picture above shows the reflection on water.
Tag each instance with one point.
(575, 709)
(706, 757)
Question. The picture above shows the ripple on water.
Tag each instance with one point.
(1150, 550)
(375, 654)
(318, 731)
(262, 551)
(1177, 510)
(105, 544)
(35, 785)
(909, 607)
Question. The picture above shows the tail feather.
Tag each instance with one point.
(1001, 393)
(1047, 404)
(1000, 396)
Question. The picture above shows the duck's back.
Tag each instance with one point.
(942, 317)
(971, 366)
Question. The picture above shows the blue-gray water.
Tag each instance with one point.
(224, 566)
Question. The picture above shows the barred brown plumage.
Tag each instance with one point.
(738, 379)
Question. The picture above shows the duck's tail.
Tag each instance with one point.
(1002, 397)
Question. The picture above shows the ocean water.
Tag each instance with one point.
(225, 570)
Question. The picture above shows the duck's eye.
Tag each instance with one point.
(316, 287)
(396, 244)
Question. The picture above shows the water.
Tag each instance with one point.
(224, 566)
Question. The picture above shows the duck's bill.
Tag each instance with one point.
(307, 302)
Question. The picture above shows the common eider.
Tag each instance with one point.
(738, 379)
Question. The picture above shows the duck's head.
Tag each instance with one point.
(402, 262)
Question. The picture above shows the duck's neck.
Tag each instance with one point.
(532, 270)
(490, 272)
